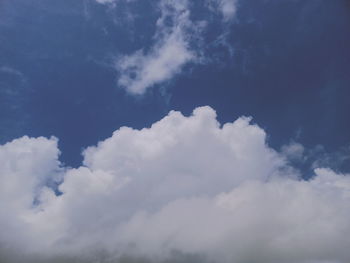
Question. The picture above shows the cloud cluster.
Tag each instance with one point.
(185, 189)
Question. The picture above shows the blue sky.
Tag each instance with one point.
(79, 70)
(289, 69)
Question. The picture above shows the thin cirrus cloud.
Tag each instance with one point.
(185, 188)
(172, 48)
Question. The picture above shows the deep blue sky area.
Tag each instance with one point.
(289, 68)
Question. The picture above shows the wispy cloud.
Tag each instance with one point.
(176, 43)
(106, 1)
(170, 52)
(227, 8)
(11, 71)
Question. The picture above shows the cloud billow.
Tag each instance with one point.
(185, 186)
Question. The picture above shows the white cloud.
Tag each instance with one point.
(170, 52)
(177, 42)
(227, 8)
(186, 184)
(105, 1)
(111, 1)
(27, 164)
(12, 71)
(293, 151)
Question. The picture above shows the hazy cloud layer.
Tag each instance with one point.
(185, 188)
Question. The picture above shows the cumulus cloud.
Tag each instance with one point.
(185, 189)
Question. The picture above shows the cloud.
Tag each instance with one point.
(185, 189)
(170, 52)
(293, 151)
(227, 8)
(104, 1)
(176, 43)
(11, 71)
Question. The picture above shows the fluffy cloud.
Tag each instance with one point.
(185, 189)
(27, 166)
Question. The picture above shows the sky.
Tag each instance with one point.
(175, 131)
